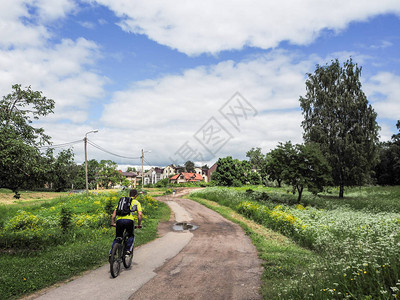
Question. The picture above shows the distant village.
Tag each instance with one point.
(175, 174)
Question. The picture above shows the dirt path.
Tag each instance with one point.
(218, 263)
(215, 261)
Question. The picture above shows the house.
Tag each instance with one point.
(148, 176)
(202, 172)
(168, 171)
(158, 174)
(198, 170)
(131, 176)
(153, 175)
(186, 177)
(209, 172)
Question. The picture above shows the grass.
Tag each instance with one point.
(50, 256)
(353, 243)
(372, 198)
(27, 197)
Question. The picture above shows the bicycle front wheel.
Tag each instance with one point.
(115, 261)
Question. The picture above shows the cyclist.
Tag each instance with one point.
(127, 222)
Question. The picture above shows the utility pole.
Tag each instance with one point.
(86, 172)
(142, 157)
(142, 168)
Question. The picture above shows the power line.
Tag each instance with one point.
(92, 144)
(109, 152)
(61, 145)
(147, 162)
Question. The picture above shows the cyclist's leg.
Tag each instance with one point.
(119, 231)
(131, 237)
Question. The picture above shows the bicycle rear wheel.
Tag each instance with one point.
(127, 260)
(115, 260)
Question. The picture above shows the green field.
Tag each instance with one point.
(350, 247)
(45, 243)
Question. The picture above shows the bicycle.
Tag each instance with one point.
(118, 255)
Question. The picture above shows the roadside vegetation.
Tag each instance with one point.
(42, 244)
(346, 248)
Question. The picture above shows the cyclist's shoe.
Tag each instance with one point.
(128, 253)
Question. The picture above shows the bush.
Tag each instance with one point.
(236, 183)
(65, 219)
(162, 183)
(109, 207)
(260, 196)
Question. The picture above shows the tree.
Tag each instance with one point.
(338, 118)
(256, 158)
(131, 169)
(108, 174)
(396, 137)
(388, 169)
(303, 166)
(273, 167)
(257, 162)
(21, 162)
(254, 178)
(80, 179)
(64, 171)
(189, 166)
(93, 170)
(229, 172)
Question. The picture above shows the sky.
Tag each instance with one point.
(191, 80)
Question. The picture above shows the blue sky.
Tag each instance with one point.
(192, 80)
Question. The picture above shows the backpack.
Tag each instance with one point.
(124, 206)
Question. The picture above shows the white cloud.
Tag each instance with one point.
(22, 22)
(14, 33)
(60, 72)
(210, 26)
(87, 25)
(165, 113)
(384, 94)
(50, 10)
(382, 45)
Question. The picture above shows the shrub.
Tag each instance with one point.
(236, 183)
(109, 207)
(65, 219)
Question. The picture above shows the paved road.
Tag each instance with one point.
(216, 261)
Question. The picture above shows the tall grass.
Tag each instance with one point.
(359, 244)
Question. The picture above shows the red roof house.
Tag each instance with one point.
(186, 177)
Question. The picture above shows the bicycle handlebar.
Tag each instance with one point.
(136, 226)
